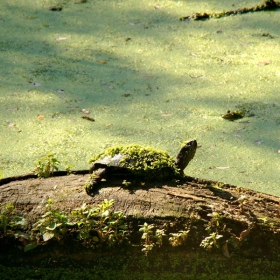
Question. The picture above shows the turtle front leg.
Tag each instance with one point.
(94, 180)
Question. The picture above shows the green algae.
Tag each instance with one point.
(162, 265)
(171, 81)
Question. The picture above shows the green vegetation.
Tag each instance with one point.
(10, 222)
(108, 225)
(46, 166)
(142, 161)
(211, 241)
(151, 237)
(102, 227)
(213, 227)
(171, 266)
(53, 224)
(178, 238)
(154, 237)
(95, 225)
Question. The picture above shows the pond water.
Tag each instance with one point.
(146, 78)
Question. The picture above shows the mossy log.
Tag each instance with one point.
(249, 221)
(267, 5)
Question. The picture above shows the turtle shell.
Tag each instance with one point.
(140, 161)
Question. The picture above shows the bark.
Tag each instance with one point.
(245, 215)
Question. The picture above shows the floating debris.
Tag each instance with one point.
(85, 111)
(55, 8)
(267, 5)
(263, 63)
(88, 118)
(11, 124)
(166, 115)
(35, 84)
(126, 94)
(102, 61)
(61, 38)
(258, 142)
(222, 167)
(233, 115)
(80, 1)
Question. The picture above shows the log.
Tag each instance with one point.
(249, 221)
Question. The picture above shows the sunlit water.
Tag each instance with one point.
(146, 78)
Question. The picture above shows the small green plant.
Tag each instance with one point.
(114, 231)
(68, 168)
(266, 222)
(83, 218)
(215, 220)
(147, 236)
(151, 237)
(178, 238)
(211, 241)
(159, 236)
(213, 227)
(10, 222)
(108, 225)
(53, 224)
(46, 166)
(218, 185)
(126, 184)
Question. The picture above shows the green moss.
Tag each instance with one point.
(218, 72)
(143, 161)
(161, 265)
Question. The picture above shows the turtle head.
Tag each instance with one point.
(186, 154)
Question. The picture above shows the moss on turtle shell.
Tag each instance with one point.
(143, 161)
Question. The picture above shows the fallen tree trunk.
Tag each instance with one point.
(248, 222)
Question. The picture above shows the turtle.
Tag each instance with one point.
(139, 162)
